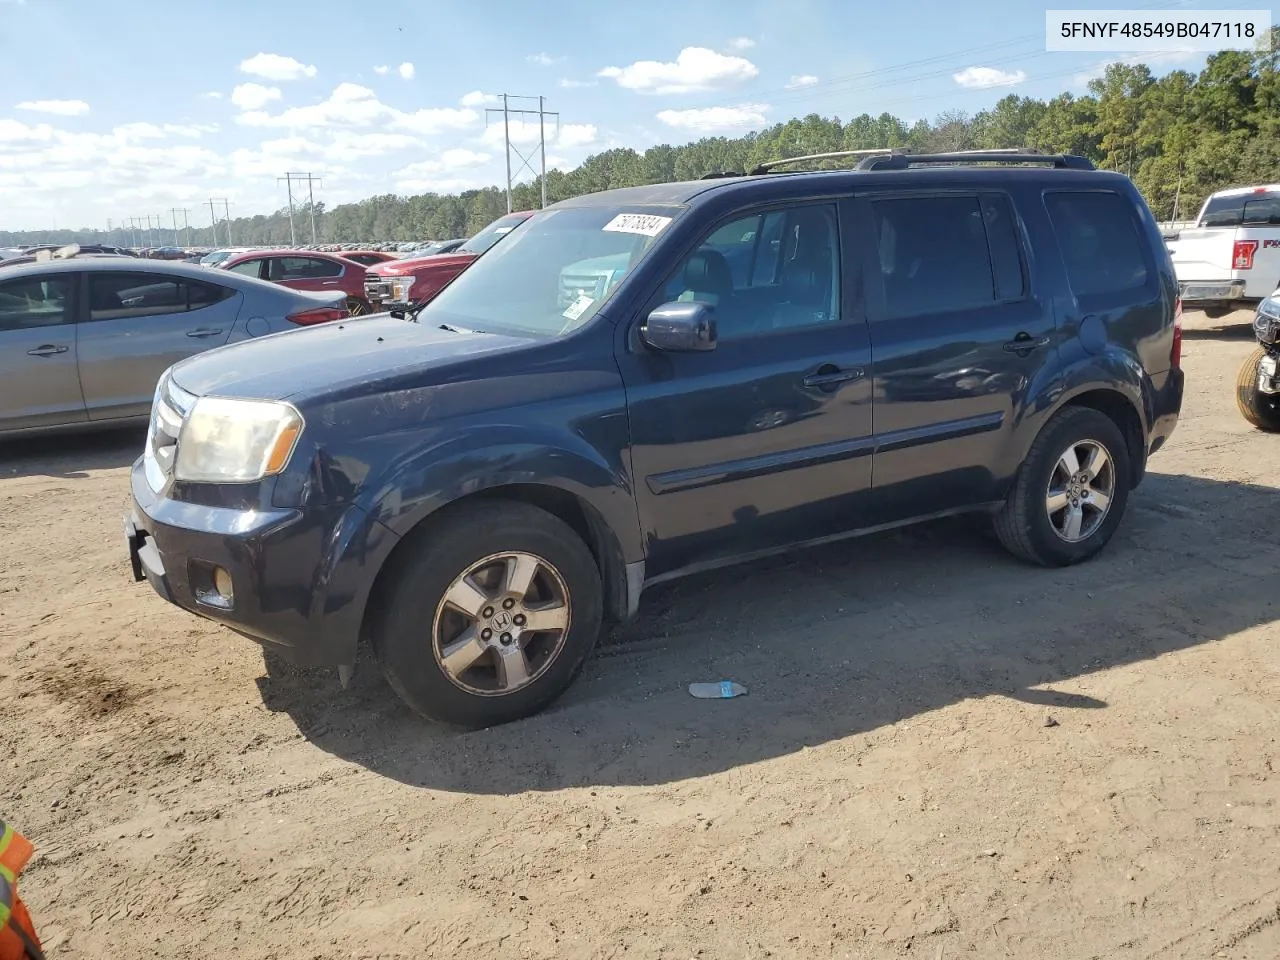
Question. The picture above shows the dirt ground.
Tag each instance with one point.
(943, 754)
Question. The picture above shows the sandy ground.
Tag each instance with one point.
(893, 785)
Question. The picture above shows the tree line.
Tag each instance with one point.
(1179, 137)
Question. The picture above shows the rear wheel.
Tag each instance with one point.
(1071, 491)
(357, 306)
(492, 615)
(1260, 409)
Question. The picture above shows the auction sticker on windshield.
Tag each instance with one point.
(644, 224)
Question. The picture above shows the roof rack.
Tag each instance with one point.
(768, 167)
(902, 161)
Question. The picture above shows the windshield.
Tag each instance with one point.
(553, 274)
(491, 234)
(1241, 208)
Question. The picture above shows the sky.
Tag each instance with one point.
(111, 110)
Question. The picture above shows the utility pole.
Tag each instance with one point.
(525, 162)
(213, 217)
(184, 211)
(226, 209)
(290, 179)
(213, 221)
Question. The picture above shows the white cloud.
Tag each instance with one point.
(405, 70)
(801, 80)
(543, 59)
(524, 132)
(211, 95)
(63, 108)
(254, 96)
(449, 161)
(382, 70)
(349, 144)
(273, 66)
(567, 84)
(742, 43)
(476, 98)
(695, 68)
(15, 131)
(351, 105)
(716, 118)
(979, 78)
(289, 147)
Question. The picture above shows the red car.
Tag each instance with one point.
(420, 278)
(305, 270)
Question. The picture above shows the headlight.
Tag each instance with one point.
(400, 288)
(236, 441)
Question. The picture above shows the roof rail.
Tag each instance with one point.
(718, 174)
(768, 167)
(1060, 161)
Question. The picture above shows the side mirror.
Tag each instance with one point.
(680, 327)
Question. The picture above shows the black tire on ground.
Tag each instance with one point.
(1023, 524)
(402, 627)
(1260, 409)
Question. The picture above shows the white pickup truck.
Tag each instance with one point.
(1230, 259)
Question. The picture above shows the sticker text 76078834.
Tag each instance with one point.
(644, 224)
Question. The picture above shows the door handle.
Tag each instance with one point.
(203, 332)
(46, 350)
(829, 376)
(1023, 343)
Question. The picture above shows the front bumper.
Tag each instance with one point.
(301, 578)
(1201, 291)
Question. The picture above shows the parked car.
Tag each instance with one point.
(416, 279)
(83, 341)
(1258, 383)
(437, 247)
(1231, 259)
(306, 270)
(215, 258)
(476, 491)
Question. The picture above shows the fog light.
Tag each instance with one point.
(222, 584)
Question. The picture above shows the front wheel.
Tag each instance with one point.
(357, 307)
(1070, 492)
(1260, 409)
(491, 615)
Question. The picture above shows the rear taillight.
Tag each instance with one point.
(1175, 356)
(309, 318)
(1242, 254)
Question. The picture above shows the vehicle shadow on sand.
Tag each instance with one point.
(71, 456)
(833, 642)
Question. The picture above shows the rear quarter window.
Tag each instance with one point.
(1102, 246)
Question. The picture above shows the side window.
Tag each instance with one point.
(29, 302)
(1005, 247)
(767, 272)
(201, 294)
(250, 268)
(1100, 243)
(303, 268)
(115, 296)
(933, 255)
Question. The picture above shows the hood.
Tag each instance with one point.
(414, 265)
(328, 357)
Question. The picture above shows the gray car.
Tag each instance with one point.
(83, 342)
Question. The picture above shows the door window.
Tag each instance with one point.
(28, 302)
(303, 268)
(117, 296)
(934, 254)
(1101, 247)
(250, 268)
(770, 271)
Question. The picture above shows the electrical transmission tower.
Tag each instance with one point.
(290, 179)
(185, 225)
(213, 215)
(526, 163)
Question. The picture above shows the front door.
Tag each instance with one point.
(961, 339)
(306, 273)
(765, 440)
(39, 386)
(137, 325)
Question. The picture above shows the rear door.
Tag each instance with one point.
(138, 324)
(306, 273)
(961, 337)
(39, 386)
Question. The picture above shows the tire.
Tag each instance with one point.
(1025, 525)
(417, 631)
(357, 307)
(1260, 409)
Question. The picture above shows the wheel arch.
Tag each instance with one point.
(1123, 412)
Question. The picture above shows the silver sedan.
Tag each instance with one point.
(84, 341)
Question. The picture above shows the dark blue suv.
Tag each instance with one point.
(738, 365)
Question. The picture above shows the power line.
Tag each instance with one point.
(526, 162)
(290, 179)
